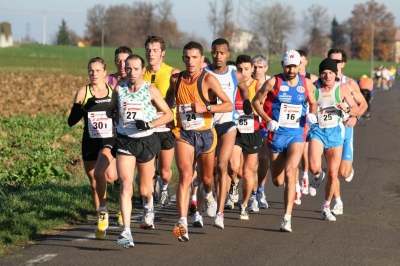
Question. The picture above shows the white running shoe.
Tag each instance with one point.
(219, 220)
(197, 220)
(181, 231)
(164, 197)
(229, 204)
(262, 200)
(211, 207)
(315, 184)
(148, 218)
(327, 215)
(234, 192)
(348, 179)
(244, 214)
(125, 240)
(286, 226)
(253, 204)
(337, 209)
(297, 198)
(304, 186)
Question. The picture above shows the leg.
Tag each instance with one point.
(104, 171)
(263, 163)
(126, 168)
(89, 169)
(293, 157)
(165, 159)
(250, 161)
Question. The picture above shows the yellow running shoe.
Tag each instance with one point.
(99, 234)
(102, 223)
(120, 222)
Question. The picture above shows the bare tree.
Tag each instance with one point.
(168, 27)
(226, 25)
(95, 16)
(213, 18)
(118, 25)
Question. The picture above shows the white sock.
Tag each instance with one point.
(287, 217)
(103, 209)
(147, 204)
(184, 220)
(298, 188)
(127, 229)
(326, 204)
(164, 187)
(205, 194)
(193, 197)
(305, 175)
(338, 200)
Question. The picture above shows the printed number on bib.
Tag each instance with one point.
(189, 119)
(100, 126)
(132, 111)
(245, 123)
(290, 115)
(328, 117)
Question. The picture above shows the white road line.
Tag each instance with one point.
(40, 259)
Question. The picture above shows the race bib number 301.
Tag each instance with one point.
(290, 115)
(100, 126)
(189, 119)
(132, 111)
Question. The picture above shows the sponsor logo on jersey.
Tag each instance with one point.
(301, 89)
(284, 88)
(300, 98)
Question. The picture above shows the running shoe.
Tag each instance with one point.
(315, 184)
(120, 222)
(148, 218)
(99, 234)
(304, 186)
(327, 215)
(262, 200)
(197, 220)
(219, 220)
(229, 204)
(192, 207)
(253, 204)
(234, 192)
(102, 223)
(286, 226)
(337, 209)
(297, 198)
(348, 179)
(244, 214)
(181, 231)
(211, 207)
(164, 197)
(125, 240)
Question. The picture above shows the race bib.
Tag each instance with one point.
(100, 126)
(245, 123)
(162, 128)
(328, 117)
(290, 115)
(132, 111)
(189, 119)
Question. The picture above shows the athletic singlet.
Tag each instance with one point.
(135, 106)
(229, 85)
(160, 79)
(246, 123)
(97, 124)
(110, 79)
(328, 115)
(186, 94)
(287, 105)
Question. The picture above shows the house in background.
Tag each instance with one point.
(6, 39)
(240, 40)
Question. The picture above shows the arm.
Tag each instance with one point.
(260, 96)
(162, 105)
(170, 95)
(359, 98)
(313, 105)
(114, 102)
(244, 91)
(77, 112)
(346, 95)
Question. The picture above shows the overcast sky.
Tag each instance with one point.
(191, 15)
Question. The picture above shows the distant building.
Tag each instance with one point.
(396, 46)
(6, 39)
(240, 40)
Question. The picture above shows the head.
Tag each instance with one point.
(339, 56)
(206, 62)
(328, 71)
(244, 66)
(303, 61)
(260, 66)
(120, 55)
(97, 70)
(220, 52)
(155, 50)
(193, 56)
(290, 64)
(364, 76)
(134, 68)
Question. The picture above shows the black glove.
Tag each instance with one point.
(88, 105)
(141, 125)
(247, 107)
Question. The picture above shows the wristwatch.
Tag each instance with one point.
(208, 107)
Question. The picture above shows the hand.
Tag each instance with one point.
(342, 106)
(351, 122)
(247, 107)
(272, 125)
(141, 125)
(345, 116)
(312, 118)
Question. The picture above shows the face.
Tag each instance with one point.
(328, 77)
(134, 71)
(290, 72)
(303, 64)
(120, 63)
(96, 72)
(259, 70)
(154, 54)
(338, 58)
(246, 69)
(220, 55)
(193, 60)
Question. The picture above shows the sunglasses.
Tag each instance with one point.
(338, 61)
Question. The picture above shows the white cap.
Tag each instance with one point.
(291, 57)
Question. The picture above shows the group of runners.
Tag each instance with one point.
(222, 123)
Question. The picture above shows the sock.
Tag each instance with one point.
(326, 204)
(183, 220)
(193, 197)
(127, 229)
(103, 209)
(338, 201)
(164, 187)
(254, 192)
(260, 189)
(305, 175)
(298, 188)
(287, 217)
(147, 204)
(205, 194)
(221, 214)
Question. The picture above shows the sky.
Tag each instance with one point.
(26, 16)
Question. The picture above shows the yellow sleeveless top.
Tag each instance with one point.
(160, 79)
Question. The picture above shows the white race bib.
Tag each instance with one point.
(162, 128)
(132, 111)
(100, 126)
(245, 123)
(290, 115)
(189, 119)
(328, 116)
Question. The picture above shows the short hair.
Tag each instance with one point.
(123, 50)
(259, 59)
(220, 41)
(338, 51)
(135, 56)
(302, 53)
(244, 58)
(95, 60)
(154, 39)
(193, 45)
(230, 63)
(207, 61)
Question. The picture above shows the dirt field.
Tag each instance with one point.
(30, 94)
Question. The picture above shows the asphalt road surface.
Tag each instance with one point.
(368, 233)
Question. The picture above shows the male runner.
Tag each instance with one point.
(284, 110)
(120, 55)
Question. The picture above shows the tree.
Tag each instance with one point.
(63, 34)
(94, 24)
(213, 18)
(316, 25)
(221, 22)
(364, 17)
(338, 33)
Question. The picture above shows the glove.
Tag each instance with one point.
(247, 107)
(312, 118)
(345, 116)
(272, 126)
(141, 125)
(88, 105)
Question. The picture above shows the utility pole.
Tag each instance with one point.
(44, 28)
(102, 38)
(372, 36)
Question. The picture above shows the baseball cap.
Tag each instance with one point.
(291, 57)
(364, 76)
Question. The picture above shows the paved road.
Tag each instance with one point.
(367, 234)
